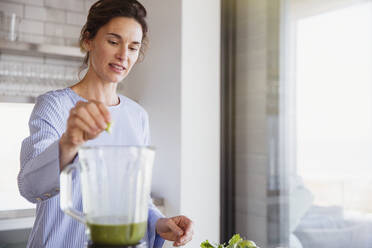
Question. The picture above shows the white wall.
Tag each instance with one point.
(179, 86)
(156, 85)
(200, 119)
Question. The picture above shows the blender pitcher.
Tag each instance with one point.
(115, 186)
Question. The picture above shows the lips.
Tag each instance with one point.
(117, 67)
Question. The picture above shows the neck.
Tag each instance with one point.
(91, 88)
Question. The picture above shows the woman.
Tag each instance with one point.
(65, 119)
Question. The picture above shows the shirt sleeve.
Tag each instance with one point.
(38, 178)
(154, 240)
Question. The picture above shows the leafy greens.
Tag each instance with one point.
(235, 242)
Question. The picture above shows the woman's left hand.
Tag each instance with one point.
(178, 229)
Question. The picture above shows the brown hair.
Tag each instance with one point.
(101, 12)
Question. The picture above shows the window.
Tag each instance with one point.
(13, 129)
(334, 105)
(332, 64)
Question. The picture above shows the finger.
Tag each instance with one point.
(176, 244)
(185, 238)
(85, 116)
(77, 123)
(189, 226)
(175, 229)
(104, 111)
(97, 115)
(186, 224)
(182, 241)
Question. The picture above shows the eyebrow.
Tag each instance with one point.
(120, 38)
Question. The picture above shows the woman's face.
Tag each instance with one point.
(115, 49)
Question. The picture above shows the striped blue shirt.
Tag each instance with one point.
(38, 179)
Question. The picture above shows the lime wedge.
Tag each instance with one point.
(109, 127)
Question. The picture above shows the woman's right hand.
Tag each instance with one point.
(85, 122)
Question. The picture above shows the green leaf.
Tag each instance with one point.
(206, 244)
(234, 241)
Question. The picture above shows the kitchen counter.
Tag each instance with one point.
(25, 218)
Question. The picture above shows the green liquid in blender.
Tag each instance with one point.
(117, 234)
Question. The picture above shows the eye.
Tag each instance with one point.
(112, 42)
(133, 48)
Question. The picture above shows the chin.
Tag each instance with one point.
(118, 78)
(115, 79)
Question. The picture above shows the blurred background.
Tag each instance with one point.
(260, 110)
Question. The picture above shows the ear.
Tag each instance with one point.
(87, 43)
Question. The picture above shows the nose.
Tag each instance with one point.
(122, 53)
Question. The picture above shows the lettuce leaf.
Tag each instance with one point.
(235, 242)
(206, 244)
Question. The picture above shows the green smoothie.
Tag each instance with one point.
(118, 234)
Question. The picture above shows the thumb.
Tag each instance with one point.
(175, 229)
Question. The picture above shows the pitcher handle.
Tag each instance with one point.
(66, 193)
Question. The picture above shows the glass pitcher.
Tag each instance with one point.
(115, 186)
